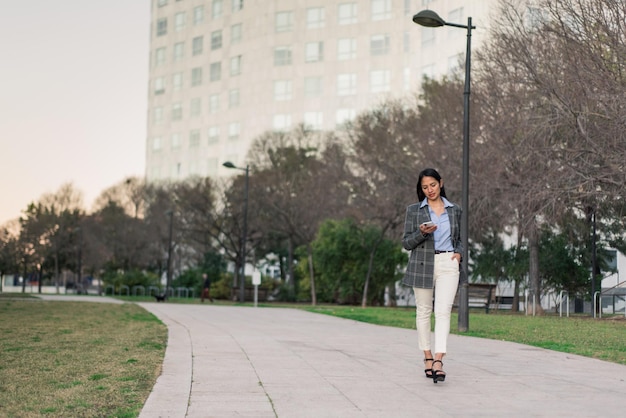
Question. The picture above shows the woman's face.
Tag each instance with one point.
(431, 187)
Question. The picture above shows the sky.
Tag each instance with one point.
(73, 97)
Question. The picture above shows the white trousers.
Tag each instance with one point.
(446, 282)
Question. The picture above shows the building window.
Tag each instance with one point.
(235, 33)
(407, 79)
(162, 3)
(281, 122)
(156, 144)
(179, 21)
(379, 45)
(233, 98)
(282, 90)
(159, 57)
(234, 130)
(217, 9)
(346, 49)
(381, 9)
(211, 167)
(408, 10)
(197, 45)
(177, 81)
(159, 85)
(380, 81)
(236, 5)
(198, 15)
(347, 13)
(215, 71)
(428, 36)
(194, 138)
(282, 55)
(406, 43)
(428, 71)
(216, 40)
(177, 111)
(284, 21)
(161, 27)
(344, 115)
(312, 87)
(314, 120)
(214, 135)
(176, 170)
(179, 51)
(313, 51)
(346, 84)
(235, 65)
(158, 115)
(175, 142)
(214, 103)
(455, 16)
(454, 62)
(193, 168)
(196, 76)
(315, 18)
(195, 107)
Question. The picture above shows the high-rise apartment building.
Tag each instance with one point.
(223, 72)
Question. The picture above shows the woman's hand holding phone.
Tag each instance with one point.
(428, 227)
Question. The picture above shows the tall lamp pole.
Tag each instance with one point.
(168, 280)
(431, 19)
(244, 237)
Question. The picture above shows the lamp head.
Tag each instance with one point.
(228, 164)
(429, 19)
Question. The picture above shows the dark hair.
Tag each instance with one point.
(428, 172)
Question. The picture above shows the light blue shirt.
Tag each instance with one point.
(442, 237)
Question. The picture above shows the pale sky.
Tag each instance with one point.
(73, 97)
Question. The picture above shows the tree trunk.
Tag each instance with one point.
(535, 281)
(312, 276)
(56, 272)
(370, 267)
(515, 305)
(291, 285)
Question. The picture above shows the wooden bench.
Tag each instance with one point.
(480, 295)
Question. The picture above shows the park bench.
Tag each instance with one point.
(480, 295)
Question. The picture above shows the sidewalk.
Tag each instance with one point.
(271, 362)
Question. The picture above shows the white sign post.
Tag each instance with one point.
(256, 281)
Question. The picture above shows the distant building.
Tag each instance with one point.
(223, 72)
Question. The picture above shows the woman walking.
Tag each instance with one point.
(432, 232)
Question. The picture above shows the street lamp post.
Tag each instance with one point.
(431, 19)
(244, 237)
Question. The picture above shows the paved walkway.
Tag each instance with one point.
(271, 362)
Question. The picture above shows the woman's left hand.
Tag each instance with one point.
(458, 257)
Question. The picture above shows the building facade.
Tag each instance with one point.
(222, 72)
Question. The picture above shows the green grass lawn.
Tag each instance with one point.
(60, 359)
(603, 339)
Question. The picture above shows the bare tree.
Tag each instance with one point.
(299, 182)
(552, 83)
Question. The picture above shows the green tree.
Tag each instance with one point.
(341, 257)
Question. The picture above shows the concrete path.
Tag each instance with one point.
(271, 362)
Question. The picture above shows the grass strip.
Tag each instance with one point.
(603, 339)
(60, 359)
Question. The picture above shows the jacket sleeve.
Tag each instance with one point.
(458, 243)
(412, 234)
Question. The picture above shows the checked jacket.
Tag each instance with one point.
(420, 269)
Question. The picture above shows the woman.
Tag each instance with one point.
(432, 232)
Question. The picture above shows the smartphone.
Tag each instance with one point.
(428, 224)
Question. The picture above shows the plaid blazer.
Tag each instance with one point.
(419, 272)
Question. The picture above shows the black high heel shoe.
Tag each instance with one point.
(428, 372)
(438, 375)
